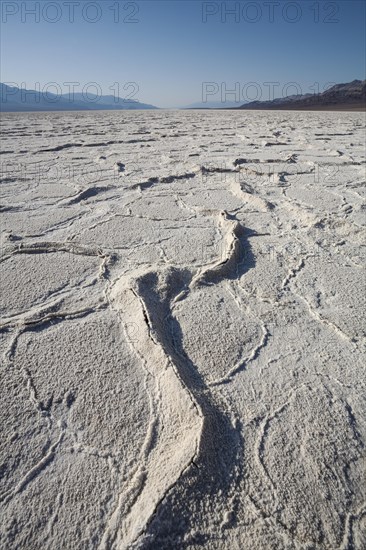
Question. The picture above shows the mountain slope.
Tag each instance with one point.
(14, 99)
(348, 96)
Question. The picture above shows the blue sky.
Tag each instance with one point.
(173, 47)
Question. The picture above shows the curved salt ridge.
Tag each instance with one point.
(178, 418)
(231, 249)
(179, 421)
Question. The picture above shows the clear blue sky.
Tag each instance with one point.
(170, 50)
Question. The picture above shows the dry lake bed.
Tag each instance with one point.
(182, 334)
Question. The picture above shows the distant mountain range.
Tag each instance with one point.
(14, 99)
(341, 97)
(349, 96)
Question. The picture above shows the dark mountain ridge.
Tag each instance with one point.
(347, 96)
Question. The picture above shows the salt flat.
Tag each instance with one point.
(182, 330)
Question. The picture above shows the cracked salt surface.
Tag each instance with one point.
(182, 331)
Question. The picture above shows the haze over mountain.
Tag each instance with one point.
(214, 105)
(13, 99)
